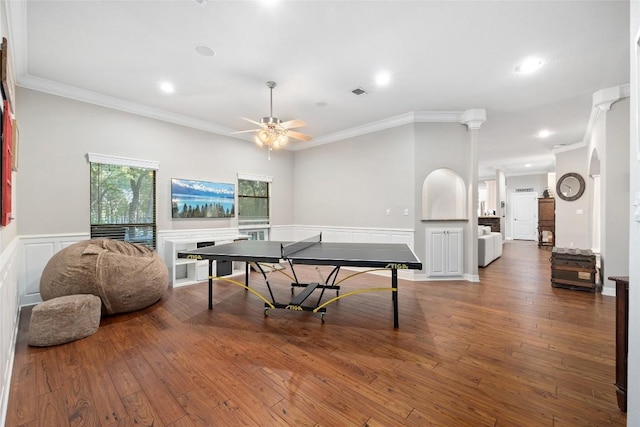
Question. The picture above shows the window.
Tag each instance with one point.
(253, 200)
(123, 201)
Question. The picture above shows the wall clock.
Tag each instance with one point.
(570, 186)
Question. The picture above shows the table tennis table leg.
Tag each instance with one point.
(394, 296)
(246, 274)
(211, 284)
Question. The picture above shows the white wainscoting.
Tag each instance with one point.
(9, 309)
(35, 253)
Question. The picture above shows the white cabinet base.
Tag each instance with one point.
(444, 252)
(183, 272)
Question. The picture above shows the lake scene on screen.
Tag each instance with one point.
(202, 199)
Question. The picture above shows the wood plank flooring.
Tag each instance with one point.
(508, 351)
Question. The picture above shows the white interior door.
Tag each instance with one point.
(525, 215)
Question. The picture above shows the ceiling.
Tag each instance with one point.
(441, 55)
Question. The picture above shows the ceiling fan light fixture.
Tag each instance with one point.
(264, 136)
(273, 132)
(282, 140)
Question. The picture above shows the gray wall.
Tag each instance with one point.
(441, 145)
(56, 134)
(353, 182)
(572, 227)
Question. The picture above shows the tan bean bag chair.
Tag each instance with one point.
(126, 276)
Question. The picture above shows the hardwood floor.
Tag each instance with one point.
(508, 351)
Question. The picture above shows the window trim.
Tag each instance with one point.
(122, 161)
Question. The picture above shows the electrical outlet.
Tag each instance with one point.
(388, 212)
(406, 211)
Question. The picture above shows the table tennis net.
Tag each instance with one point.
(291, 248)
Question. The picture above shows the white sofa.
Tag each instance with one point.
(489, 245)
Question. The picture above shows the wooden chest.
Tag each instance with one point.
(573, 269)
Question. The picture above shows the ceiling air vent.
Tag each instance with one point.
(359, 91)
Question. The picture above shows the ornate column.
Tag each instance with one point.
(473, 119)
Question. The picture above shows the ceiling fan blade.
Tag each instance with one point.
(298, 135)
(293, 124)
(244, 131)
(252, 121)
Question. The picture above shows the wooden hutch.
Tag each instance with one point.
(546, 221)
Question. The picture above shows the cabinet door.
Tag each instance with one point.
(454, 252)
(437, 252)
(546, 209)
(444, 252)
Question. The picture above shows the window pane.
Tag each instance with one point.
(122, 194)
(253, 188)
(251, 209)
(253, 202)
(122, 203)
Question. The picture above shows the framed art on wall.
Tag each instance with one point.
(202, 199)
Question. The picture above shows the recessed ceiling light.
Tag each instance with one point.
(205, 50)
(528, 165)
(544, 133)
(383, 78)
(529, 65)
(167, 87)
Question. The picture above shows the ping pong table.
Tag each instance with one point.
(312, 251)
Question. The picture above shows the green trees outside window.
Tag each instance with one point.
(253, 202)
(123, 203)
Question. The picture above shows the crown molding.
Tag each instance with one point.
(569, 147)
(472, 118)
(71, 92)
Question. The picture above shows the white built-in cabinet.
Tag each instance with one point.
(184, 271)
(444, 252)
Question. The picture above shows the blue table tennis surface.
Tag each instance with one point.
(373, 255)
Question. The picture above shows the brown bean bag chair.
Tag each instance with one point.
(126, 276)
(64, 319)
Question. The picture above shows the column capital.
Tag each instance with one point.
(605, 98)
(474, 118)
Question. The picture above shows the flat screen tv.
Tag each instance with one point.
(202, 199)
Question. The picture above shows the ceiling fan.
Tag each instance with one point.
(272, 131)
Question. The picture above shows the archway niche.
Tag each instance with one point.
(444, 196)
